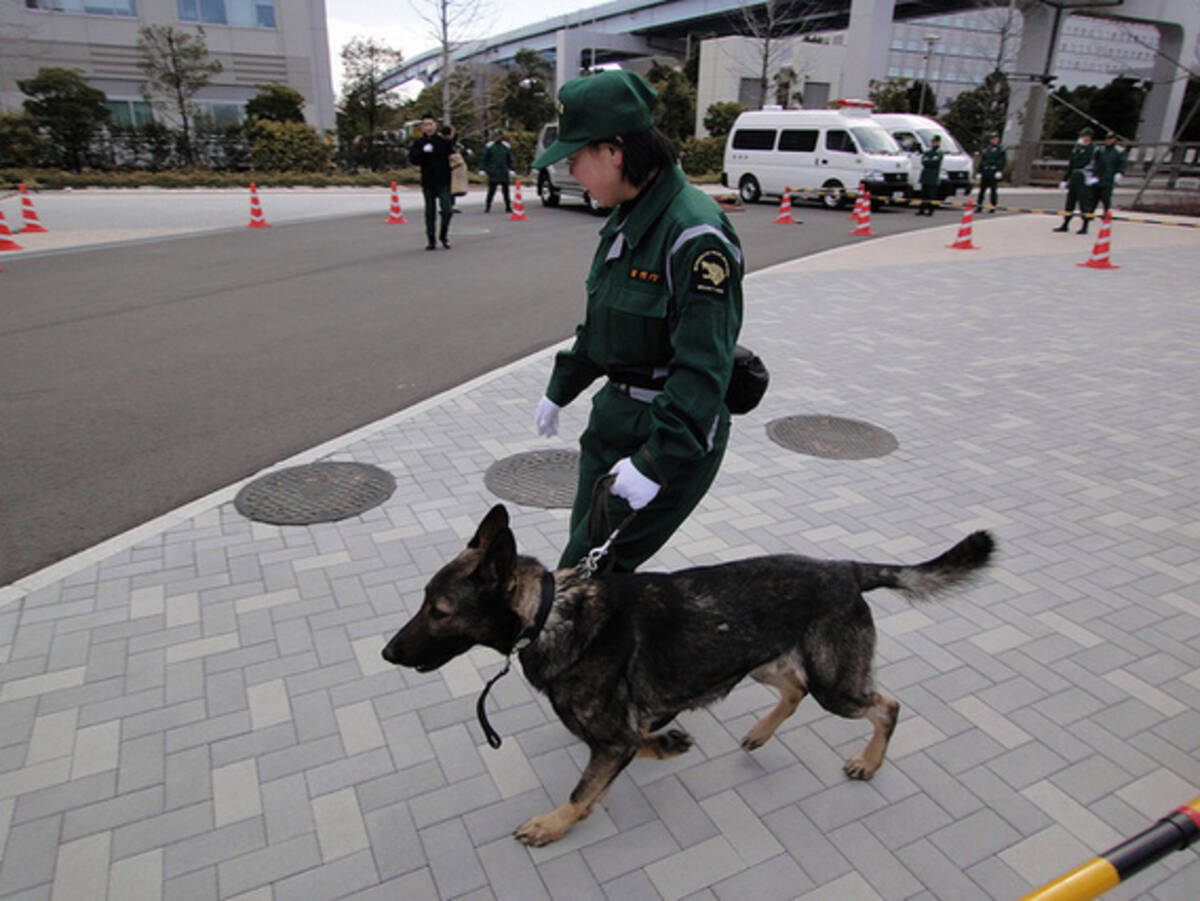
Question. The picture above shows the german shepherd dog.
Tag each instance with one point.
(620, 655)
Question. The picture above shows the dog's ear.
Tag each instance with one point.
(499, 558)
(495, 523)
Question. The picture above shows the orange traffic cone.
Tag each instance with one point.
(395, 216)
(863, 228)
(785, 208)
(1099, 258)
(28, 215)
(963, 241)
(257, 219)
(518, 206)
(6, 241)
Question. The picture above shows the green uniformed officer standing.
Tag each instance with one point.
(1109, 167)
(664, 308)
(991, 167)
(497, 163)
(1079, 181)
(931, 170)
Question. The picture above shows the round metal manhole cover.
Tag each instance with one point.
(831, 437)
(542, 478)
(317, 492)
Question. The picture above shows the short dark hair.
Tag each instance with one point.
(643, 153)
(428, 116)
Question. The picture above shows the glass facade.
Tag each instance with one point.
(86, 7)
(239, 13)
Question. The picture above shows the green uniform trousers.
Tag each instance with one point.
(617, 427)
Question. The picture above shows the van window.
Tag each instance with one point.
(836, 139)
(873, 139)
(908, 141)
(550, 135)
(754, 139)
(802, 140)
(948, 144)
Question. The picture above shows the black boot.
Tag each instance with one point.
(430, 244)
(1083, 228)
(1065, 224)
(444, 235)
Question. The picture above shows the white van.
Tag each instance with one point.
(770, 150)
(915, 134)
(555, 180)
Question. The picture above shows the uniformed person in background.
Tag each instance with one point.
(664, 308)
(931, 171)
(1079, 181)
(991, 168)
(497, 165)
(1109, 168)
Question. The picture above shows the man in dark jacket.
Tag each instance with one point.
(991, 167)
(497, 164)
(931, 173)
(431, 151)
(1109, 168)
(1079, 181)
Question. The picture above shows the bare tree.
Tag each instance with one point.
(774, 25)
(176, 65)
(451, 23)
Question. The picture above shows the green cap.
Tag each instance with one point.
(596, 107)
(1086, 131)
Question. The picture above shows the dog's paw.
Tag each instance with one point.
(757, 737)
(675, 742)
(858, 768)
(538, 831)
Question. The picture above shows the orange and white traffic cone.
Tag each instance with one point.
(963, 241)
(518, 206)
(257, 220)
(1099, 258)
(395, 215)
(785, 208)
(6, 241)
(863, 228)
(29, 217)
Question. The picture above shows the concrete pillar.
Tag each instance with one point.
(1161, 110)
(868, 38)
(1027, 97)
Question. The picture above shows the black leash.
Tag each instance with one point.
(599, 527)
(524, 639)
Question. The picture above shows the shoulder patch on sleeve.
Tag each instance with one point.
(710, 274)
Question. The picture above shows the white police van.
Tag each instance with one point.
(555, 180)
(915, 134)
(773, 149)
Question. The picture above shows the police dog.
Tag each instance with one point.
(620, 655)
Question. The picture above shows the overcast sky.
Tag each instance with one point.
(397, 23)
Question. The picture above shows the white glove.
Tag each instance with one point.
(632, 485)
(1062, 186)
(546, 418)
(512, 171)
(1091, 180)
(1118, 177)
(481, 173)
(428, 148)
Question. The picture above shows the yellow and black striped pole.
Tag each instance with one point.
(1172, 833)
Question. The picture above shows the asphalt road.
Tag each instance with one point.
(138, 377)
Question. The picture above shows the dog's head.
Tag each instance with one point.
(466, 603)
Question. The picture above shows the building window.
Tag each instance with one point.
(129, 112)
(86, 7)
(240, 13)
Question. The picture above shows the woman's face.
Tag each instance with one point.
(598, 169)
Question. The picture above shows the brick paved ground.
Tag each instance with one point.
(199, 710)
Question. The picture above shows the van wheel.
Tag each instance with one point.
(749, 189)
(546, 192)
(834, 195)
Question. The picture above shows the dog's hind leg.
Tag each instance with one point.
(603, 766)
(782, 675)
(882, 714)
(665, 745)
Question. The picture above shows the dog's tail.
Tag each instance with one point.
(956, 567)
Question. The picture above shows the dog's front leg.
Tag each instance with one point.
(603, 766)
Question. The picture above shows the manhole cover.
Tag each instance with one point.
(830, 437)
(318, 492)
(543, 478)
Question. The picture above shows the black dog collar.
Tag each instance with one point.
(524, 640)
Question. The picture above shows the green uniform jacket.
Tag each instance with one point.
(1080, 165)
(1108, 162)
(992, 162)
(664, 310)
(931, 167)
(497, 160)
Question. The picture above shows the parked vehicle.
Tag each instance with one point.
(773, 149)
(915, 134)
(555, 180)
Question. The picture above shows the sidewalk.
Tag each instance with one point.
(198, 709)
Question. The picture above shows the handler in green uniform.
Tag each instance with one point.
(1079, 181)
(497, 163)
(991, 167)
(931, 170)
(1109, 167)
(664, 308)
